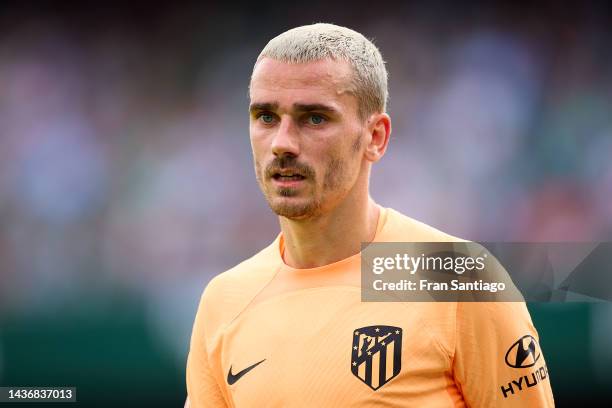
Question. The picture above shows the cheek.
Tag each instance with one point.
(343, 164)
(257, 145)
(257, 158)
(256, 133)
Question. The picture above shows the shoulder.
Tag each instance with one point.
(230, 292)
(400, 227)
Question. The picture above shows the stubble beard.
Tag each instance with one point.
(280, 199)
(313, 205)
(302, 208)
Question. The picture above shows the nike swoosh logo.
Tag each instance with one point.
(232, 378)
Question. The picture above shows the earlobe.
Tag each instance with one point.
(373, 155)
(380, 130)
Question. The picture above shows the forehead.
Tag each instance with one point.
(277, 81)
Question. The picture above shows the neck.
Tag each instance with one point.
(330, 237)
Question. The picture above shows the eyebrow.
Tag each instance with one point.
(254, 107)
(300, 107)
(313, 107)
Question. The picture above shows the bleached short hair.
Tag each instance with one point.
(320, 41)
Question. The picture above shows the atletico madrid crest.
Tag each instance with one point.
(377, 354)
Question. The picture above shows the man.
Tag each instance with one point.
(279, 329)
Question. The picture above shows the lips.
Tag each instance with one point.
(288, 177)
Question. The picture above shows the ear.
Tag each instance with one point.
(379, 128)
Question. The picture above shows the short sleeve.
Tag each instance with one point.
(202, 386)
(498, 361)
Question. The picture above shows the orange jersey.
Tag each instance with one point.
(268, 335)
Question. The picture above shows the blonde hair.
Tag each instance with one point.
(319, 41)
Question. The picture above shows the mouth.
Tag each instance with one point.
(288, 178)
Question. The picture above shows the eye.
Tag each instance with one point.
(266, 118)
(316, 119)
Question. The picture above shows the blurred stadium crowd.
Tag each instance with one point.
(125, 159)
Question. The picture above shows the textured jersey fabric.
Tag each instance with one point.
(268, 335)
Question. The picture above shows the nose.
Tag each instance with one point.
(286, 140)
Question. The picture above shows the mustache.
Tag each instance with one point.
(288, 163)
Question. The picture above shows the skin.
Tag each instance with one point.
(304, 120)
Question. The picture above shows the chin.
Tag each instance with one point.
(294, 210)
